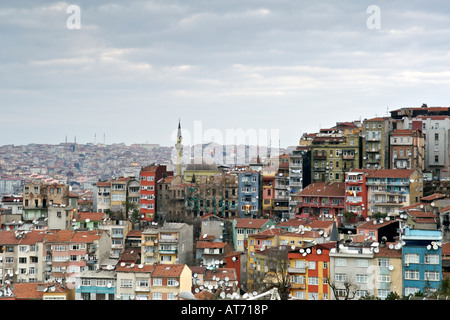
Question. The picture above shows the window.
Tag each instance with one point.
(411, 290)
(361, 278)
(341, 262)
(431, 259)
(411, 258)
(384, 278)
(383, 262)
(411, 275)
(431, 276)
(172, 283)
(157, 282)
(341, 277)
(312, 265)
(157, 295)
(142, 283)
(382, 293)
(126, 283)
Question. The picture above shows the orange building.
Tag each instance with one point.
(309, 272)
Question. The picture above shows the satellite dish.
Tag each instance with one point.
(391, 246)
(308, 250)
(187, 295)
(293, 247)
(376, 250)
(140, 266)
(429, 247)
(88, 220)
(109, 285)
(222, 295)
(391, 267)
(197, 290)
(319, 251)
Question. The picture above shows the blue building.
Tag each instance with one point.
(96, 285)
(422, 263)
(248, 193)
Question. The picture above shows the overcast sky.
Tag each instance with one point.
(135, 67)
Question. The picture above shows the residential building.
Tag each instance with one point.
(309, 271)
(149, 176)
(322, 198)
(171, 243)
(268, 190)
(388, 269)
(333, 154)
(249, 194)
(375, 142)
(391, 189)
(118, 231)
(422, 261)
(29, 263)
(383, 230)
(169, 280)
(242, 227)
(352, 271)
(407, 149)
(133, 281)
(296, 180)
(87, 250)
(37, 197)
(435, 129)
(96, 285)
(102, 196)
(356, 192)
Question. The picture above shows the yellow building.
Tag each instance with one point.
(388, 270)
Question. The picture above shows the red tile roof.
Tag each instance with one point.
(210, 244)
(86, 236)
(134, 267)
(93, 216)
(168, 270)
(325, 189)
(251, 223)
(392, 173)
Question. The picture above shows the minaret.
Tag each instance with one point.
(179, 148)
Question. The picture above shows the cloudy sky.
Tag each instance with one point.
(134, 68)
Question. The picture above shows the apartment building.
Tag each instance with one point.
(248, 193)
(375, 142)
(243, 227)
(356, 191)
(96, 285)
(322, 198)
(169, 280)
(422, 260)
(102, 196)
(133, 281)
(333, 154)
(309, 272)
(149, 176)
(37, 197)
(435, 129)
(171, 243)
(407, 149)
(391, 189)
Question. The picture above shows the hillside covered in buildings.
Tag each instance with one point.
(356, 211)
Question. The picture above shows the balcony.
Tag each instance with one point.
(348, 157)
(296, 270)
(320, 155)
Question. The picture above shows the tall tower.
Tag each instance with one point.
(179, 148)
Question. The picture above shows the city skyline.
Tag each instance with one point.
(131, 71)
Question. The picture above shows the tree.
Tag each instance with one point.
(345, 290)
(273, 273)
